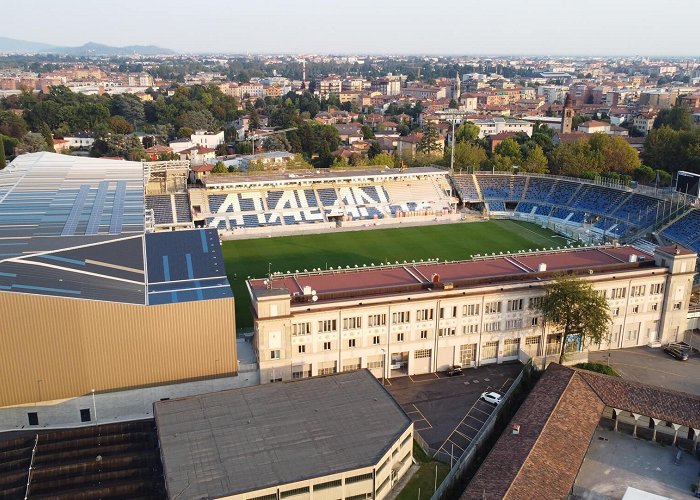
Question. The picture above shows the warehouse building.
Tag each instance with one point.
(336, 437)
(92, 301)
(417, 318)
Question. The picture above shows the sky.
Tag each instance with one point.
(500, 27)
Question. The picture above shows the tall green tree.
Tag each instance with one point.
(467, 132)
(535, 161)
(3, 161)
(429, 143)
(574, 310)
(467, 156)
(48, 137)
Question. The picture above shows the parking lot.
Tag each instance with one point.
(446, 411)
(653, 366)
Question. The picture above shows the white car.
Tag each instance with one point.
(491, 397)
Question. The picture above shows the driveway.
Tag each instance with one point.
(653, 366)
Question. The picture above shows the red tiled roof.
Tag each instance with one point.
(207, 167)
(557, 421)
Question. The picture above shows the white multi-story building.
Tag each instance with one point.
(552, 93)
(207, 139)
(497, 125)
(420, 318)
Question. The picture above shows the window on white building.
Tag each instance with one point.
(328, 325)
(492, 307)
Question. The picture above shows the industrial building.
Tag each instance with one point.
(414, 318)
(94, 301)
(336, 437)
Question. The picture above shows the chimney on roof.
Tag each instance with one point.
(516, 429)
(542, 267)
(632, 258)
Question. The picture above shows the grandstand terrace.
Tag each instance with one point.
(606, 210)
(318, 199)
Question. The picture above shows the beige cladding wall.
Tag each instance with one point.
(54, 348)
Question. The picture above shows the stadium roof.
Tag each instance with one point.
(295, 176)
(241, 440)
(74, 227)
(45, 195)
(409, 277)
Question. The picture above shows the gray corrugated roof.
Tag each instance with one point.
(241, 440)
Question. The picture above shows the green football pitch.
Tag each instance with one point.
(252, 258)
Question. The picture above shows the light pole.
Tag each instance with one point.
(452, 152)
(94, 406)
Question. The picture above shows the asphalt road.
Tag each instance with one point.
(440, 405)
(654, 367)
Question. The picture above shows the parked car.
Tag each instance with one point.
(454, 371)
(676, 352)
(491, 397)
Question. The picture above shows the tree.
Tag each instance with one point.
(536, 161)
(219, 168)
(126, 146)
(120, 126)
(467, 155)
(31, 143)
(3, 161)
(615, 154)
(374, 149)
(678, 117)
(511, 149)
(453, 104)
(48, 137)
(644, 174)
(467, 132)
(572, 307)
(429, 143)
(184, 132)
(367, 132)
(382, 159)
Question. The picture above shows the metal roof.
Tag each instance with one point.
(48, 194)
(74, 227)
(229, 442)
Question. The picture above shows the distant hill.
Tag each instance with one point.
(91, 48)
(21, 46)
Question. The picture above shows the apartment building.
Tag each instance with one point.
(409, 319)
(497, 125)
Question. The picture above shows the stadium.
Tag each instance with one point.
(133, 246)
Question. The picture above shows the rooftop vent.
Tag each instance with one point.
(516, 428)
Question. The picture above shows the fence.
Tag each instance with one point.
(477, 449)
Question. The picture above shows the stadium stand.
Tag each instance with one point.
(562, 192)
(162, 207)
(597, 199)
(613, 211)
(685, 230)
(330, 197)
(467, 188)
(182, 207)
